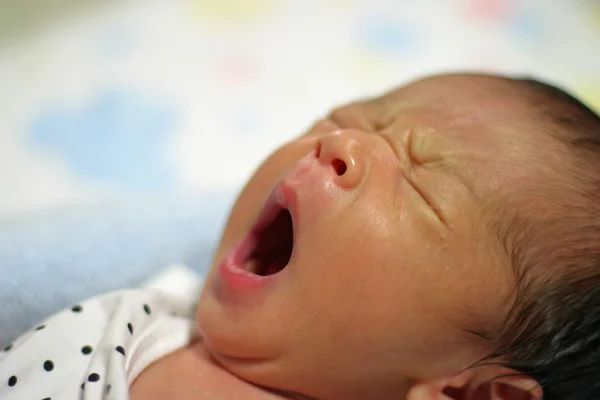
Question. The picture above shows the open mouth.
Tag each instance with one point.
(270, 243)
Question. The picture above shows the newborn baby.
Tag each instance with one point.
(439, 242)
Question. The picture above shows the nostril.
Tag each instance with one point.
(318, 150)
(339, 166)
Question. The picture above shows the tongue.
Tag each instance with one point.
(275, 266)
(277, 263)
(251, 265)
(268, 266)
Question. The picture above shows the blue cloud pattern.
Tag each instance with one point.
(389, 36)
(119, 138)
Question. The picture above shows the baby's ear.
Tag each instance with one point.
(484, 383)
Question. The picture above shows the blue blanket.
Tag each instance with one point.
(50, 262)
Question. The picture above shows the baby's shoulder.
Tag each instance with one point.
(98, 345)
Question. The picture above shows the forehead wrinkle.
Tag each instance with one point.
(449, 135)
(490, 154)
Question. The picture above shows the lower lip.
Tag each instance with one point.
(234, 276)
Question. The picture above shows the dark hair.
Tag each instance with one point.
(552, 331)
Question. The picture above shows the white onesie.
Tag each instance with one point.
(94, 350)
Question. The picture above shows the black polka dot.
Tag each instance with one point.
(94, 377)
(48, 365)
(120, 349)
(12, 381)
(77, 308)
(7, 348)
(108, 389)
(130, 327)
(47, 398)
(86, 350)
(39, 328)
(147, 309)
(83, 386)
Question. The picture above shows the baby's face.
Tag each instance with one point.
(358, 258)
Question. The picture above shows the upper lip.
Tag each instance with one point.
(286, 197)
(282, 198)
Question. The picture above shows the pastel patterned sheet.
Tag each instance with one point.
(155, 112)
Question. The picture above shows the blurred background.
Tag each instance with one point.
(104, 99)
(128, 126)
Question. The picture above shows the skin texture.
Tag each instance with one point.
(190, 373)
(396, 283)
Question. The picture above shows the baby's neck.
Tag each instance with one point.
(189, 374)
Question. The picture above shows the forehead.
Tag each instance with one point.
(461, 105)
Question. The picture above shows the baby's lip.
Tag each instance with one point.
(286, 197)
(295, 181)
(306, 190)
(237, 282)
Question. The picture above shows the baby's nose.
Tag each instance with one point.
(341, 152)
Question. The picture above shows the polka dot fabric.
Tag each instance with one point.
(94, 350)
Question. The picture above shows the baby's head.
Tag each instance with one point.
(420, 244)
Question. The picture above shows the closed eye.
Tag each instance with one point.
(431, 204)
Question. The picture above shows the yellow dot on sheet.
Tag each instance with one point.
(590, 95)
(343, 5)
(595, 14)
(232, 12)
(591, 17)
(365, 64)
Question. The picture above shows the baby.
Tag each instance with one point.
(439, 242)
